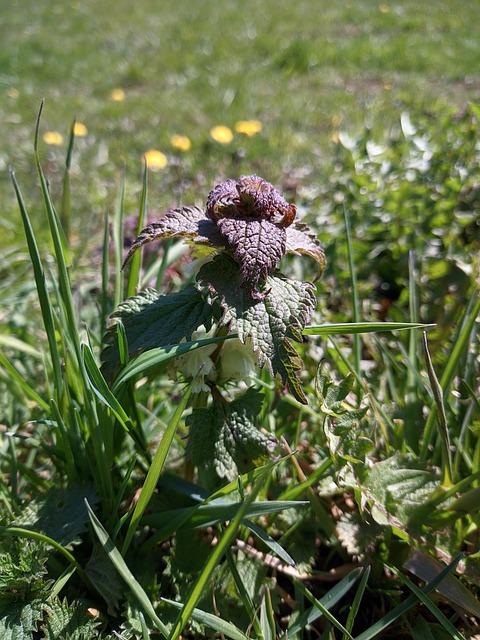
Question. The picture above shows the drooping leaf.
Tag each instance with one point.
(104, 577)
(186, 222)
(269, 323)
(301, 241)
(60, 513)
(154, 320)
(224, 439)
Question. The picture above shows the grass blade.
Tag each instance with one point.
(117, 233)
(431, 606)
(153, 357)
(330, 599)
(66, 210)
(348, 328)
(357, 343)
(460, 343)
(447, 478)
(215, 557)
(156, 468)
(135, 262)
(407, 604)
(212, 621)
(122, 568)
(43, 297)
(356, 602)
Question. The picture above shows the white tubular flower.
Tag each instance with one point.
(237, 361)
(197, 363)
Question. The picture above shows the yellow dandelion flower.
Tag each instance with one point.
(384, 8)
(155, 159)
(221, 134)
(335, 137)
(388, 86)
(118, 95)
(80, 130)
(182, 143)
(12, 93)
(248, 127)
(53, 137)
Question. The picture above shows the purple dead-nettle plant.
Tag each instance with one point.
(246, 227)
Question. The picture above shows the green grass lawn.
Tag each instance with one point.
(305, 71)
(366, 116)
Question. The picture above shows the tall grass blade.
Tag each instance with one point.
(43, 296)
(348, 328)
(357, 343)
(135, 262)
(356, 603)
(321, 609)
(460, 344)
(212, 621)
(122, 568)
(329, 600)
(104, 298)
(431, 606)
(442, 418)
(61, 251)
(22, 383)
(66, 210)
(102, 390)
(160, 355)
(117, 235)
(156, 468)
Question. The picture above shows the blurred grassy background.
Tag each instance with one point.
(137, 73)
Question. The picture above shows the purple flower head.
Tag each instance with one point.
(250, 198)
(247, 218)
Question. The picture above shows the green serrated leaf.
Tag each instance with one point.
(269, 323)
(154, 320)
(21, 618)
(402, 485)
(224, 439)
(69, 622)
(22, 563)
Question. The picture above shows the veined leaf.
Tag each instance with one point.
(154, 320)
(224, 437)
(269, 323)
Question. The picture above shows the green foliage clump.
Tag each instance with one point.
(219, 460)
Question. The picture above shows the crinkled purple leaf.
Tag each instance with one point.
(300, 240)
(258, 246)
(269, 323)
(154, 320)
(186, 222)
